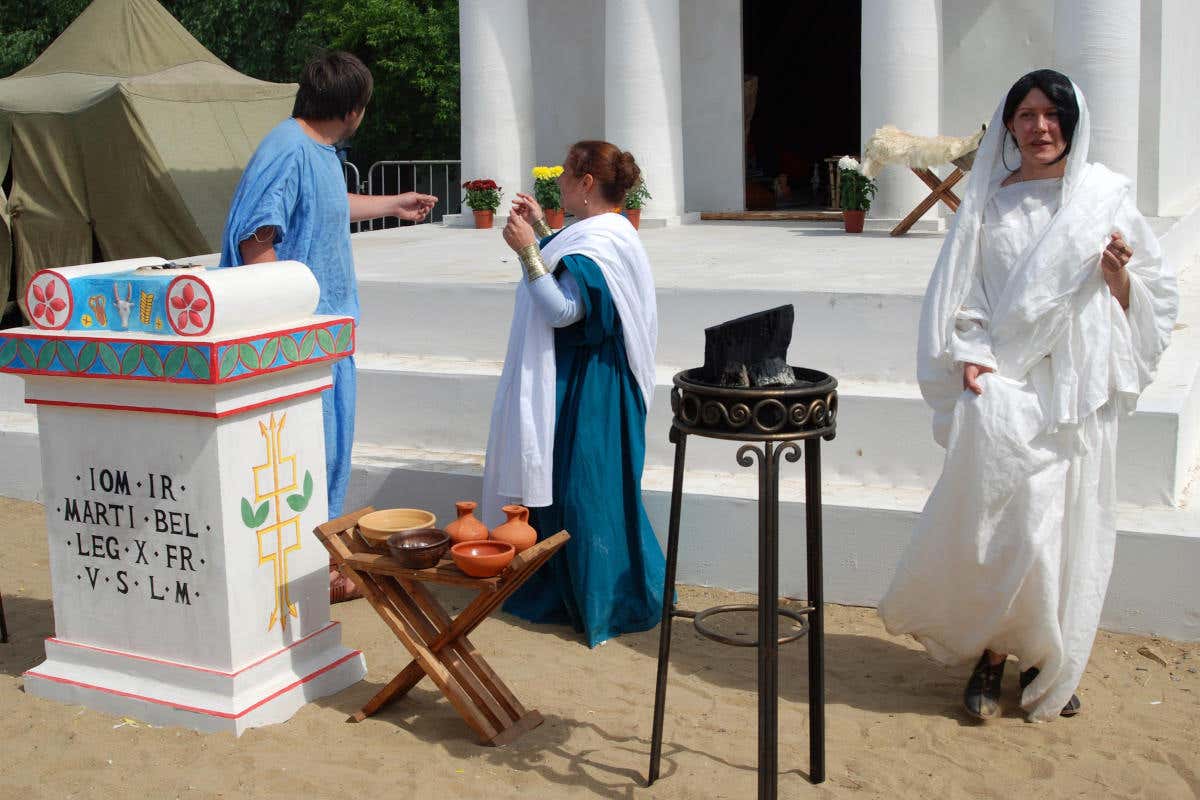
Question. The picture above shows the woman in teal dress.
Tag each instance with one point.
(568, 433)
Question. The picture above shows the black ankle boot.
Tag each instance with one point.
(1073, 705)
(982, 697)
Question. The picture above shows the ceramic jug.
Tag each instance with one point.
(467, 528)
(516, 531)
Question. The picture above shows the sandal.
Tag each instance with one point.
(342, 588)
(1073, 705)
(982, 697)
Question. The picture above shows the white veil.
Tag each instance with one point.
(1030, 320)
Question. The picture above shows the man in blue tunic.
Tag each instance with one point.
(292, 204)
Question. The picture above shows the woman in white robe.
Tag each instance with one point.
(1044, 320)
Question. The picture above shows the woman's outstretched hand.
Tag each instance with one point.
(971, 373)
(527, 208)
(518, 232)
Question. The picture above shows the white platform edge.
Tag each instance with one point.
(266, 692)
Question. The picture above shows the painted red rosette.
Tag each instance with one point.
(48, 300)
(190, 310)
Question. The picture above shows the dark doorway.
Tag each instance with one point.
(801, 60)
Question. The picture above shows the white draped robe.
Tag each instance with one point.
(1014, 548)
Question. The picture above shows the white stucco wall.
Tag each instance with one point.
(567, 41)
(713, 146)
(1179, 131)
(986, 46)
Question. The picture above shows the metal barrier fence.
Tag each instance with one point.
(353, 185)
(443, 179)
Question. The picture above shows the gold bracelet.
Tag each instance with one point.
(542, 229)
(531, 260)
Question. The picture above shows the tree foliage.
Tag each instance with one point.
(411, 47)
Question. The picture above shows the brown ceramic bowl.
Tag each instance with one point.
(419, 549)
(484, 558)
(377, 526)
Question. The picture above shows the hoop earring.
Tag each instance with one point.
(1004, 149)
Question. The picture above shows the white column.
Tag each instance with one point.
(1097, 43)
(643, 111)
(497, 94)
(901, 86)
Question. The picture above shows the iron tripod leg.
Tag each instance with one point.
(816, 618)
(664, 633)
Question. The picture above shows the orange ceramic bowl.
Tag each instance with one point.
(484, 558)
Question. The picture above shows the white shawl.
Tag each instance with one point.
(1056, 302)
(520, 452)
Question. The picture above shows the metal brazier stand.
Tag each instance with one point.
(776, 418)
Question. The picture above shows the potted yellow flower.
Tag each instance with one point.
(548, 194)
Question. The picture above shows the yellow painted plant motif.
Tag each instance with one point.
(276, 483)
(146, 307)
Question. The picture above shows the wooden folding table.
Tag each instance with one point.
(437, 642)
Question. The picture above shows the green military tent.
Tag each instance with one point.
(127, 136)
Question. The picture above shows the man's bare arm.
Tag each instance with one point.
(409, 206)
(259, 248)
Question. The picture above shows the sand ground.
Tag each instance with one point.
(894, 727)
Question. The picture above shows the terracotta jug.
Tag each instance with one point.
(516, 531)
(466, 528)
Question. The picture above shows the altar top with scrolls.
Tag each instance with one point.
(153, 320)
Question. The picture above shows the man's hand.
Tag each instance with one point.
(971, 373)
(518, 233)
(413, 207)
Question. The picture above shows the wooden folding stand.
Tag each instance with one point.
(938, 190)
(437, 642)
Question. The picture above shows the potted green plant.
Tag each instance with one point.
(856, 193)
(635, 200)
(483, 196)
(548, 194)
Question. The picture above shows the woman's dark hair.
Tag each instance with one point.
(331, 86)
(614, 171)
(1055, 86)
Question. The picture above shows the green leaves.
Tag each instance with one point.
(299, 502)
(198, 363)
(344, 337)
(288, 345)
(8, 352)
(254, 518)
(229, 360)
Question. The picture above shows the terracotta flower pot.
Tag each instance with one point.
(516, 531)
(554, 218)
(634, 215)
(467, 528)
(852, 221)
(484, 219)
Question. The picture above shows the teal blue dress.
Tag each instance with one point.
(608, 579)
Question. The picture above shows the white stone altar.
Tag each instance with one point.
(183, 471)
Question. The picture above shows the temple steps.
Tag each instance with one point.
(437, 306)
(883, 435)
(1153, 589)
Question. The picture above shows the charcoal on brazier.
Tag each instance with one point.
(750, 351)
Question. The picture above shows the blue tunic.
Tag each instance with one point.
(608, 579)
(296, 184)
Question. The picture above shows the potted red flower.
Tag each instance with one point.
(483, 196)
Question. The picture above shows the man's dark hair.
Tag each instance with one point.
(1057, 87)
(331, 86)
